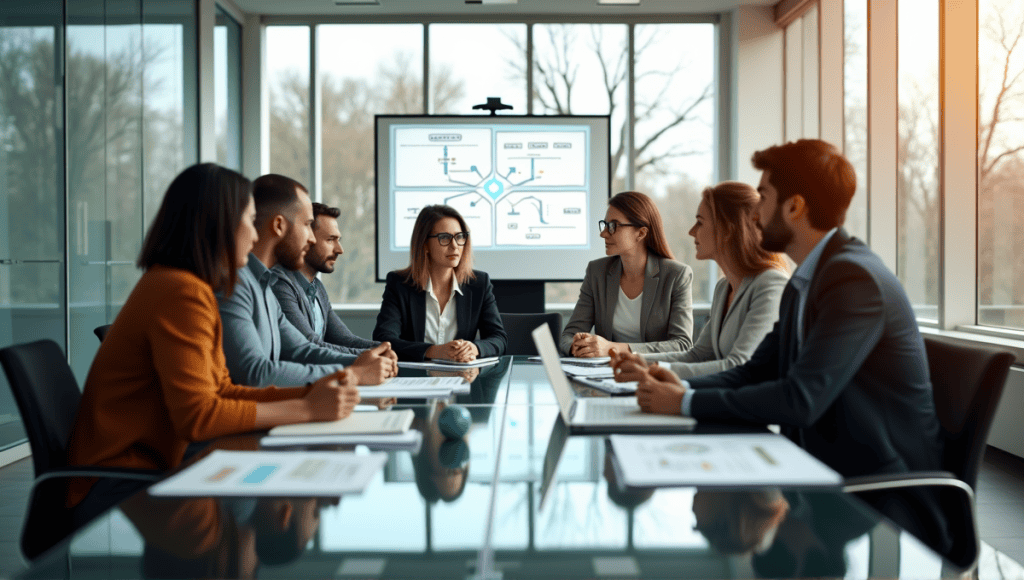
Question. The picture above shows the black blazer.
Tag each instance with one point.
(856, 394)
(403, 316)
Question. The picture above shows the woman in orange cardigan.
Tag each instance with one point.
(159, 380)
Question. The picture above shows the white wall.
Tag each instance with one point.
(758, 81)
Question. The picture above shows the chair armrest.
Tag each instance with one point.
(902, 480)
(98, 471)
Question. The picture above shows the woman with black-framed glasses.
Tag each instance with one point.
(637, 299)
(434, 308)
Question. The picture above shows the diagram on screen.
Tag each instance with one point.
(515, 186)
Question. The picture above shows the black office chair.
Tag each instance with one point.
(519, 326)
(48, 396)
(101, 331)
(967, 382)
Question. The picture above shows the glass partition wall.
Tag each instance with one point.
(32, 303)
(84, 165)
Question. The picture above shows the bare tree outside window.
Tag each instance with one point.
(584, 69)
(1001, 164)
(917, 174)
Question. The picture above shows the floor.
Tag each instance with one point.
(1000, 499)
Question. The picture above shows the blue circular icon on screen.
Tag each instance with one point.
(494, 188)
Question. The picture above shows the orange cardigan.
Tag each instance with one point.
(159, 381)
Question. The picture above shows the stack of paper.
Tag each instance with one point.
(750, 460)
(608, 385)
(417, 388)
(600, 372)
(601, 377)
(275, 474)
(447, 365)
(411, 439)
(587, 362)
(375, 429)
(367, 423)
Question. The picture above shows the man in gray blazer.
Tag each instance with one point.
(303, 297)
(260, 346)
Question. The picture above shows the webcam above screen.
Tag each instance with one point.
(531, 189)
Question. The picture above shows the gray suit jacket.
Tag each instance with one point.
(729, 338)
(260, 346)
(666, 314)
(298, 310)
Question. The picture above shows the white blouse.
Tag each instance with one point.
(626, 319)
(440, 327)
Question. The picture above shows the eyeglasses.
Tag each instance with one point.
(446, 238)
(613, 225)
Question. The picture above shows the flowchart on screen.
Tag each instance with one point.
(515, 187)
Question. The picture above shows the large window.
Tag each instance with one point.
(388, 79)
(1001, 164)
(917, 172)
(855, 107)
(227, 83)
(288, 80)
(675, 119)
(470, 62)
(665, 150)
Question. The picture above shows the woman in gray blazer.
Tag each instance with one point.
(637, 299)
(746, 301)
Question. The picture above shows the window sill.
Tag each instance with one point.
(1010, 340)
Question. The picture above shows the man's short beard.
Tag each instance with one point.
(291, 259)
(776, 236)
(319, 265)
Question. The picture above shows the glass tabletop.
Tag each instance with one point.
(517, 497)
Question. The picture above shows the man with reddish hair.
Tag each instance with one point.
(844, 371)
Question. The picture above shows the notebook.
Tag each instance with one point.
(599, 414)
(367, 422)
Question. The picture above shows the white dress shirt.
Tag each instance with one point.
(440, 327)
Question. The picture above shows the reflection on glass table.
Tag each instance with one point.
(458, 504)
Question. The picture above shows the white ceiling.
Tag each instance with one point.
(439, 9)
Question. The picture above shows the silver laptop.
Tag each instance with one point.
(599, 414)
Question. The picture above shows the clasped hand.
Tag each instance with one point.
(374, 365)
(658, 389)
(457, 350)
(586, 345)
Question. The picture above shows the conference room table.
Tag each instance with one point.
(424, 516)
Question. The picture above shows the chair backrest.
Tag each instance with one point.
(519, 326)
(101, 331)
(967, 382)
(47, 395)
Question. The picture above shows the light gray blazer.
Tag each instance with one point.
(666, 312)
(260, 346)
(729, 338)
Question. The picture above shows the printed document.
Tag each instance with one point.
(275, 474)
(717, 461)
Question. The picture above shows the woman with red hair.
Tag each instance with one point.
(746, 300)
